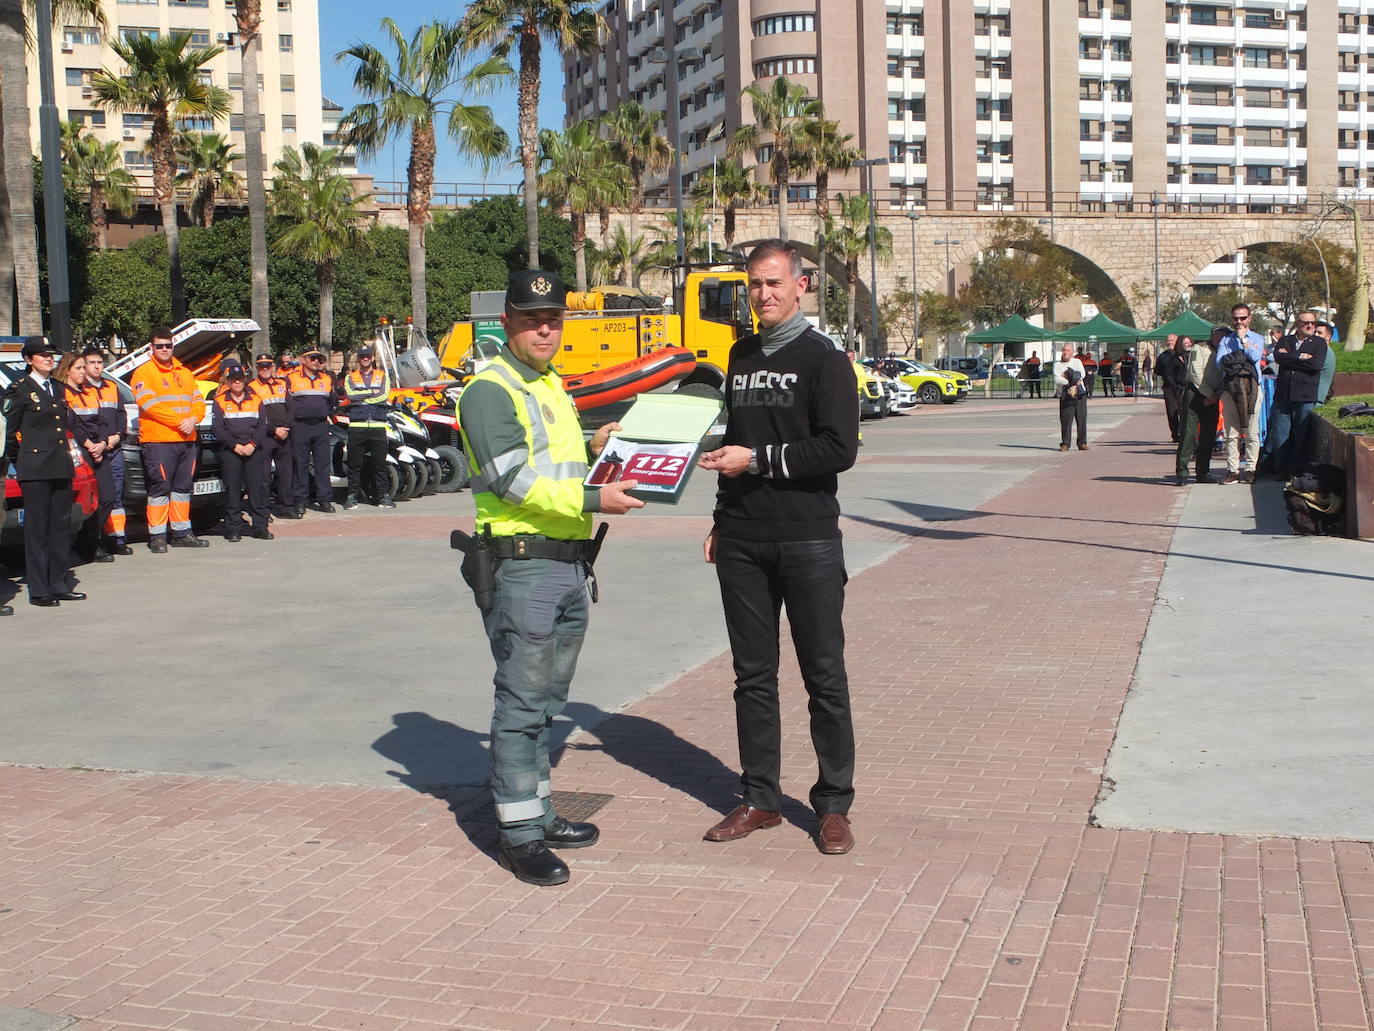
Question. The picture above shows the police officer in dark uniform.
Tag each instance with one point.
(36, 418)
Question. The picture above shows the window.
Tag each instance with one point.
(985, 108)
(987, 24)
(236, 123)
(284, 6)
(785, 66)
(1264, 175)
(288, 84)
(1122, 132)
(1090, 48)
(138, 120)
(785, 23)
(78, 76)
(1263, 57)
(1348, 139)
(1349, 100)
(200, 38)
(1209, 96)
(1121, 50)
(1207, 174)
(986, 67)
(199, 123)
(137, 159)
(1089, 131)
(1121, 90)
(131, 3)
(288, 123)
(1090, 170)
(1206, 54)
(1089, 89)
(1123, 172)
(75, 35)
(285, 44)
(1257, 136)
(188, 3)
(128, 32)
(95, 119)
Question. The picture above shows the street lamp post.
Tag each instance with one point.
(54, 215)
(1049, 222)
(915, 294)
(949, 271)
(870, 164)
(671, 59)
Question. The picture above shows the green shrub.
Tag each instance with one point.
(1354, 361)
(1356, 424)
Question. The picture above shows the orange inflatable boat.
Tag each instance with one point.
(606, 386)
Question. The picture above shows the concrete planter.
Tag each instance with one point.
(1353, 452)
(1347, 384)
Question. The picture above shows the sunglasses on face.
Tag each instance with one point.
(162, 347)
(1301, 322)
(1240, 318)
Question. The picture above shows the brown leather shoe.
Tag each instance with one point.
(835, 837)
(743, 820)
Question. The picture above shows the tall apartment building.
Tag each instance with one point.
(1097, 102)
(293, 110)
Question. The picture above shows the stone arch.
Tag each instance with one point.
(1270, 232)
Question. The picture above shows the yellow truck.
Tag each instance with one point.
(599, 334)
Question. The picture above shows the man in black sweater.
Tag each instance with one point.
(792, 426)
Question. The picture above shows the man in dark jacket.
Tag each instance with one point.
(1171, 369)
(792, 424)
(36, 417)
(1299, 358)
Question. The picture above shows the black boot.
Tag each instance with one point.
(533, 863)
(562, 834)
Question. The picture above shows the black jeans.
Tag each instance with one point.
(1171, 409)
(757, 578)
(1197, 433)
(367, 447)
(243, 475)
(1073, 410)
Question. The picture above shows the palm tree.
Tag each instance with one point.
(248, 19)
(578, 175)
(408, 97)
(164, 81)
(501, 24)
(849, 243)
(783, 116)
(827, 151)
(207, 172)
(638, 143)
(329, 219)
(97, 169)
(695, 229)
(19, 236)
(732, 185)
(622, 261)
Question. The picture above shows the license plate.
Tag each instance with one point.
(209, 487)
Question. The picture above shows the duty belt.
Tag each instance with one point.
(525, 546)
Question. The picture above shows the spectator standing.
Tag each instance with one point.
(269, 387)
(1089, 364)
(89, 430)
(1300, 358)
(115, 422)
(1147, 372)
(1198, 409)
(170, 409)
(1125, 370)
(367, 388)
(241, 430)
(1070, 387)
(36, 417)
(1106, 370)
(1238, 358)
(1032, 370)
(1326, 330)
(1171, 369)
(791, 429)
(314, 396)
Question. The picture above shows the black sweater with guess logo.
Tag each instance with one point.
(799, 408)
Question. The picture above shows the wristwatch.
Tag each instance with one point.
(754, 462)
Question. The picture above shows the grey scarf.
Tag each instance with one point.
(776, 337)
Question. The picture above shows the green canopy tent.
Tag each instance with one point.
(1189, 324)
(1015, 330)
(1103, 329)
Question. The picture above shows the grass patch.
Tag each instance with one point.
(1354, 361)
(1357, 424)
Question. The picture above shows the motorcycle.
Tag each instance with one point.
(413, 466)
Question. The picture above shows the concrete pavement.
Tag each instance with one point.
(994, 636)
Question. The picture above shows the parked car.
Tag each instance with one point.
(972, 366)
(931, 385)
(85, 497)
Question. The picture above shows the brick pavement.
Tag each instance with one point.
(979, 895)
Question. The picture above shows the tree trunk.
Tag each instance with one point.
(419, 190)
(579, 241)
(1359, 315)
(529, 134)
(14, 115)
(783, 179)
(98, 220)
(249, 13)
(729, 227)
(604, 213)
(6, 258)
(164, 168)
(173, 234)
(326, 278)
(823, 216)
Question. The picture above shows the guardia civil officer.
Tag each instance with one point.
(36, 416)
(314, 396)
(367, 388)
(527, 458)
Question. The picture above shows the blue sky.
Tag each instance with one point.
(345, 22)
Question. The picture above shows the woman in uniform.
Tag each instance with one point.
(36, 417)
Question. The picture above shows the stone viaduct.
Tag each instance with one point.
(1115, 250)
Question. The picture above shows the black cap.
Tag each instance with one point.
(535, 290)
(264, 359)
(38, 345)
(366, 349)
(234, 369)
(312, 352)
